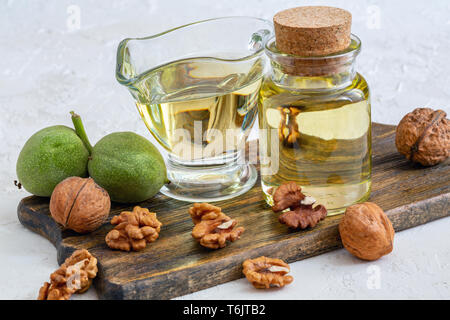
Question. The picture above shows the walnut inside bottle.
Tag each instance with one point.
(288, 131)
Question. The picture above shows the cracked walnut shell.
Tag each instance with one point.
(264, 273)
(133, 230)
(212, 227)
(73, 276)
(366, 231)
(423, 136)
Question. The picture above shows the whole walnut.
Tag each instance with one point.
(79, 204)
(423, 136)
(366, 231)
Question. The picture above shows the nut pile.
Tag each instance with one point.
(74, 276)
(212, 227)
(302, 214)
(133, 230)
(81, 205)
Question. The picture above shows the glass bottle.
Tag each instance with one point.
(315, 126)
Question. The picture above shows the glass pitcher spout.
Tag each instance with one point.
(228, 39)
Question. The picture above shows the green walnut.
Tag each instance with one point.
(125, 164)
(128, 166)
(50, 156)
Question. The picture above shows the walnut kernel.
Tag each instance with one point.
(73, 276)
(287, 195)
(133, 230)
(264, 273)
(288, 131)
(302, 214)
(212, 227)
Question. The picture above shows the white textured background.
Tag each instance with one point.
(50, 65)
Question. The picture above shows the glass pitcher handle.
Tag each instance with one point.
(258, 39)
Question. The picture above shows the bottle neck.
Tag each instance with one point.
(333, 80)
(331, 72)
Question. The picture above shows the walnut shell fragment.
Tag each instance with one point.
(134, 229)
(366, 231)
(73, 276)
(302, 214)
(423, 136)
(212, 227)
(264, 273)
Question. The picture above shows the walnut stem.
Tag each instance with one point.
(79, 129)
(438, 115)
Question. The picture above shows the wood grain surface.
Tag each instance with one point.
(175, 264)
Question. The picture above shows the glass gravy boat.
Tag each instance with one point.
(196, 88)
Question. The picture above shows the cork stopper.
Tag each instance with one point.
(312, 30)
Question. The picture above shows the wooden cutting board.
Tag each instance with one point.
(175, 264)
